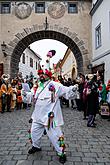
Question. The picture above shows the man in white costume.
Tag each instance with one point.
(26, 93)
(48, 115)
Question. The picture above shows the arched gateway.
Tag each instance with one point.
(37, 32)
(24, 22)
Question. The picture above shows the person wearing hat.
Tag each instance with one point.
(48, 115)
(108, 97)
(6, 91)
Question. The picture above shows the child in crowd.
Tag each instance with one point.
(19, 97)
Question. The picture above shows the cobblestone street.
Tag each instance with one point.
(84, 146)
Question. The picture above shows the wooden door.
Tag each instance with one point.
(1, 69)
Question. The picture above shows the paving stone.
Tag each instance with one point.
(77, 154)
(37, 162)
(90, 154)
(3, 152)
(89, 159)
(20, 157)
(46, 157)
(6, 157)
(84, 146)
(51, 153)
(25, 162)
(74, 159)
(97, 164)
(3, 148)
(1, 162)
(34, 157)
(21, 144)
(13, 148)
(15, 152)
(12, 162)
(55, 162)
(106, 160)
(81, 163)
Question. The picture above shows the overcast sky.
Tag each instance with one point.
(42, 47)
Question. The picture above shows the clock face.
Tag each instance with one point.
(23, 10)
(56, 10)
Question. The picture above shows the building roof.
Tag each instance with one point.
(38, 56)
(95, 7)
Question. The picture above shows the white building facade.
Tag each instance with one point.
(101, 37)
(68, 65)
(29, 63)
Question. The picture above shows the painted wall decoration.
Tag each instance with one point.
(23, 10)
(56, 10)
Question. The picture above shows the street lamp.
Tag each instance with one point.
(89, 66)
(3, 47)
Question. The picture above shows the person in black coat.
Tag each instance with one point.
(92, 102)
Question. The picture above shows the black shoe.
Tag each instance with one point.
(45, 133)
(30, 120)
(33, 150)
(62, 159)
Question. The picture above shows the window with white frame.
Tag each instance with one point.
(31, 62)
(98, 36)
(72, 7)
(5, 7)
(36, 65)
(40, 7)
(23, 58)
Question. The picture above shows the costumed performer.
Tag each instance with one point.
(48, 115)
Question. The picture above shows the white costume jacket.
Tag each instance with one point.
(44, 105)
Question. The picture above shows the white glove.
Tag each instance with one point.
(75, 87)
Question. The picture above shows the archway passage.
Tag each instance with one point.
(30, 38)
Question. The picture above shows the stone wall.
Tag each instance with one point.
(75, 26)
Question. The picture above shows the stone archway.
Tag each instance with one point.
(29, 35)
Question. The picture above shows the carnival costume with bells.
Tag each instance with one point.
(48, 115)
(14, 92)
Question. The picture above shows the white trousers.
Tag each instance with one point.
(53, 134)
(29, 97)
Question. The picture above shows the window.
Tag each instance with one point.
(31, 62)
(39, 67)
(98, 36)
(23, 58)
(40, 7)
(5, 7)
(36, 65)
(72, 7)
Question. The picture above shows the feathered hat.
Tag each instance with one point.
(40, 72)
(48, 73)
(5, 77)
